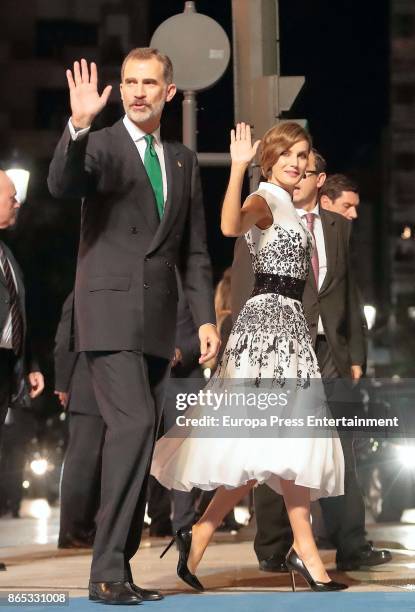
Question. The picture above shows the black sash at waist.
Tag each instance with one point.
(288, 286)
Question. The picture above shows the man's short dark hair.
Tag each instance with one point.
(335, 184)
(320, 162)
(147, 53)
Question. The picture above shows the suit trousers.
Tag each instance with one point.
(6, 372)
(344, 515)
(16, 437)
(175, 506)
(129, 389)
(81, 477)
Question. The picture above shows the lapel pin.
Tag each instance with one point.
(179, 164)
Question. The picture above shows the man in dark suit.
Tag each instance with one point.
(142, 215)
(81, 473)
(16, 363)
(336, 325)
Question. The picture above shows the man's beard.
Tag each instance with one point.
(153, 112)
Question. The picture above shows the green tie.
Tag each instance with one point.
(152, 166)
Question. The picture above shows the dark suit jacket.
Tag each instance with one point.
(187, 376)
(187, 340)
(26, 362)
(126, 291)
(337, 301)
(71, 369)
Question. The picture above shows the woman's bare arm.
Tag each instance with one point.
(235, 220)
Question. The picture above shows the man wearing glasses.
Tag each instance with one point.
(336, 325)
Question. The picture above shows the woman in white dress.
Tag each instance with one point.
(269, 341)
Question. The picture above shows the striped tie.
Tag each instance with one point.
(17, 321)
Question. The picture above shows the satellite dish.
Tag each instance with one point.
(197, 46)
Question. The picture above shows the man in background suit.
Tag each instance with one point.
(340, 196)
(336, 326)
(16, 363)
(81, 472)
(142, 215)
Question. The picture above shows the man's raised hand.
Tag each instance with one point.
(86, 103)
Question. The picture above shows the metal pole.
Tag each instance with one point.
(254, 169)
(214, 159)
(278, 44)
(190, 7)
(189, 106)
(254, 174)
(277, 30)
(235, 59)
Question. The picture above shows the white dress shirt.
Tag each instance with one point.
(138, 137)
(321, 251)
(6, 341)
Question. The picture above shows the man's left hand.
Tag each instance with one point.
(356, 372)
(209, 342)
(177, 357)
(37, 383)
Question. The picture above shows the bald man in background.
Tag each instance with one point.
(20, 378)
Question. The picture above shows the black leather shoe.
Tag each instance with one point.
(275, 564)
(365, 556)
(2, 566)
(145, 594)
(295, 564)
(116, 593)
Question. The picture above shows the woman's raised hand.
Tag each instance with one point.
(86, 102)
(242, 149)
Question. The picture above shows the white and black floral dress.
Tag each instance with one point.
(269, 344)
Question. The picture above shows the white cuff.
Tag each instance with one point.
(77, 134)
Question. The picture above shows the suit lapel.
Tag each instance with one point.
(175, 176)
(17, 274)
(2, 275)
(331, 242)
(16, 270)
(147, 203)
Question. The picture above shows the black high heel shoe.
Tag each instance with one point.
(294, 564)
(183, 539)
